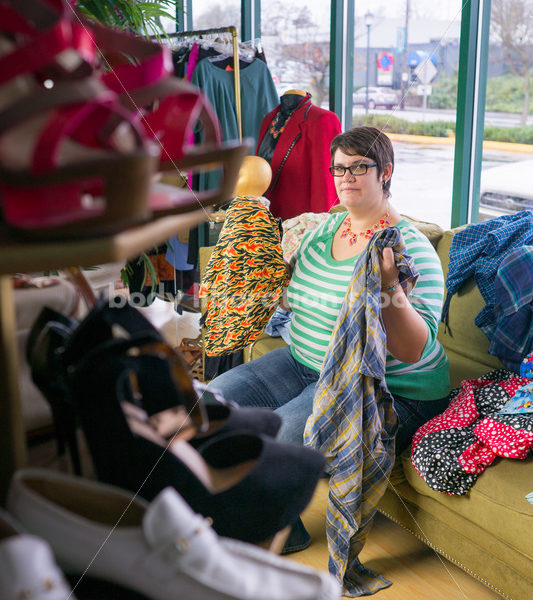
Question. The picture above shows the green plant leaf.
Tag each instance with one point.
(149, 268)
(95, 11)
(125, 274)
(142, 17)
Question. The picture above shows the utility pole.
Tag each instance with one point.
(369, 20)
(405, 73)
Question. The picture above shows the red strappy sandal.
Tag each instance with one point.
(170, 110)
(72, 160)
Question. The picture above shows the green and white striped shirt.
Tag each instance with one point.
(316, 292)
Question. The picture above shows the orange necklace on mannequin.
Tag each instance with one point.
(383, 223)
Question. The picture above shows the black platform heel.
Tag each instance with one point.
(250, 485)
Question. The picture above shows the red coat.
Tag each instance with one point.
(300, 178)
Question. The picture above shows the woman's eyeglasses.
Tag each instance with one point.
(357, 169)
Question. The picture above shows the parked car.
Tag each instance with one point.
(377, 96)
(505, 190)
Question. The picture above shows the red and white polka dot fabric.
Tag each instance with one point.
(452, 449)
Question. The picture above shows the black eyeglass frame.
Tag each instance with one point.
(357, 166)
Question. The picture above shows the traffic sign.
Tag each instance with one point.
(385, 61)
(416, 57)
(425, 71)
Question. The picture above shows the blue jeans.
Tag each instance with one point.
(277, 380)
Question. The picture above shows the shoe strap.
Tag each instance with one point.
(30, 16)
(61, 95)
(181, 107)
(13, 22)
(171, 526)
(45, 46)
(71, 105)
(181, 544)
(135, 348)
(154, 61)
(88, 123)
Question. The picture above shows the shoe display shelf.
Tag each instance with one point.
(18, 256)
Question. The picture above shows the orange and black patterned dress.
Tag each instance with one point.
(244, 277)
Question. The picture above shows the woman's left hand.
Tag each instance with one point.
(389, 272)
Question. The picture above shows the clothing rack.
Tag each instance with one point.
(236, 68)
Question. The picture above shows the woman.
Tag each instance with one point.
(362, 162)
(417, 368)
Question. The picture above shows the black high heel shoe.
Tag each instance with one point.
(49, 336)
(154, 373)
(250, 485)
(57, 342)
(45, 342)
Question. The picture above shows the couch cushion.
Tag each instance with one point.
(263, 344)
(432, 231)
(496, 503)
(481, 554)
(444, 245)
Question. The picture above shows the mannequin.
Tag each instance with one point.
(295, 139)
(252, 272)
(254, 178)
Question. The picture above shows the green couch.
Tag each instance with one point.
(489, 531)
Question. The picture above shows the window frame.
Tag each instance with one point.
(471, 95)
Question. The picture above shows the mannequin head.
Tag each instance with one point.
(295, 92)
(254, 178)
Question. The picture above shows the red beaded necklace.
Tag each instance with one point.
(383, 223)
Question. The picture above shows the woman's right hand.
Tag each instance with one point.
(288, 268)
(283, 300)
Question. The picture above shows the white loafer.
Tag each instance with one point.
(162, 550)
(28, 570)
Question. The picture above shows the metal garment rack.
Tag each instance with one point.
(236, 67)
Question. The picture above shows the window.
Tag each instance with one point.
(505, 186)
(417, 95)
(216, 13)
(416, 56)
(296, 43)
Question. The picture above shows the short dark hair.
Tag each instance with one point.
(366, 141)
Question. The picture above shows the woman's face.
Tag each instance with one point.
(359, 190)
